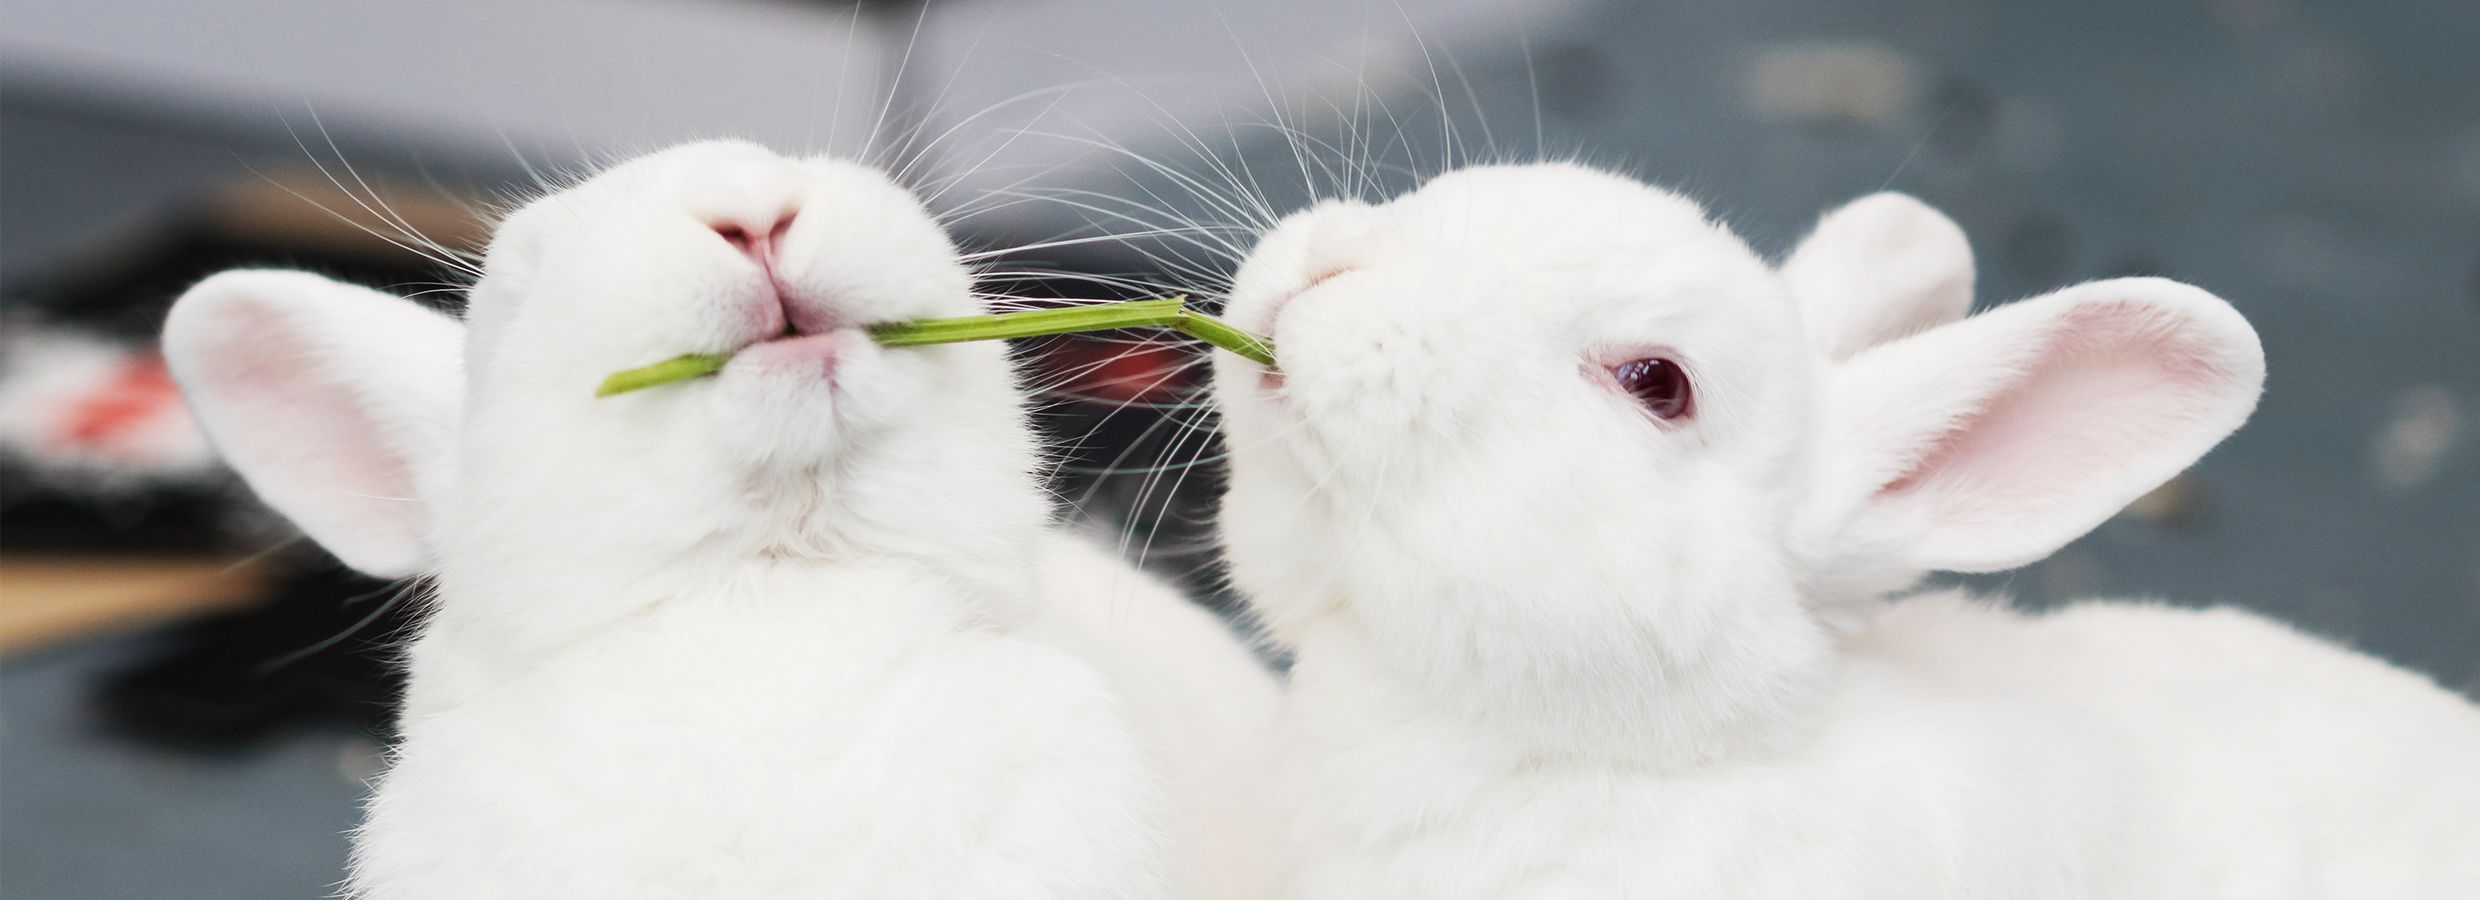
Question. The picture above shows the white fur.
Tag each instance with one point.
(748, 636)
(1879, 268)
(1550, 646)
(1200, 700)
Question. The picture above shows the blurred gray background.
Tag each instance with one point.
(2317, 163)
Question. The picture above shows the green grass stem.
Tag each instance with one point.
(1172, 313)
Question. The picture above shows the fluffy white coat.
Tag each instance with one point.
(800, 629)
(1553, 645)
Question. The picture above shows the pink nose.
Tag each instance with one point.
(758, 242)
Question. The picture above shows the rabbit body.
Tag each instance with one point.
(1564, 628)
(1955, 748)
(1200, 702)
(855, 726)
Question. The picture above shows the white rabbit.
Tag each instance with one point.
(1549, 489)
(789, 631)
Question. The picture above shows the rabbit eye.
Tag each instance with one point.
(1660, 384)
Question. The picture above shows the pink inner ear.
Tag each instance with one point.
(2112, 397)
(305, 441)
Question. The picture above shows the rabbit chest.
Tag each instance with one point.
(1888, 796)
(844, 733)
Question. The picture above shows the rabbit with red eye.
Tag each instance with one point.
(1555, 493)
(781, 632)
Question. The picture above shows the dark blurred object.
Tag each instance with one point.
(169, 518)
(319, 649)
(121, 287)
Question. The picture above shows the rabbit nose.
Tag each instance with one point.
(1339, 243)
(758, 242)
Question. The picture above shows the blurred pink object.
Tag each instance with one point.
(98, 415)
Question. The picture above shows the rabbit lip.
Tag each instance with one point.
(822, 342)
(806, 315)
(782, 314)
(1274, 311)
(803, 357)
(793, 335)
(1270, 380)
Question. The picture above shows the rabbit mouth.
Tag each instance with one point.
(787, 316)
(1269, 379)
(803, 355)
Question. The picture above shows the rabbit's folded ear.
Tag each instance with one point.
(1876, 269)
(1989, 443)
(338, 404)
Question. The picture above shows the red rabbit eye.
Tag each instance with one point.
(1660, 384)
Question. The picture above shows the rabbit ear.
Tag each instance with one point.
(338, 404)
(1879, 268)
(1989, 443)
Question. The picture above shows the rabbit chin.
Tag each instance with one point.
(795, 416)
(800, 400)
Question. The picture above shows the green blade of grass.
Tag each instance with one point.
(1220, 333)
(678, 368)
(1169, 313)
(1164, 313)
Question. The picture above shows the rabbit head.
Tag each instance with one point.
(1561, 446)
(404, 440)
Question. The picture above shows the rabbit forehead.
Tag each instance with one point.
(1558, 216)
(1591, 257)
